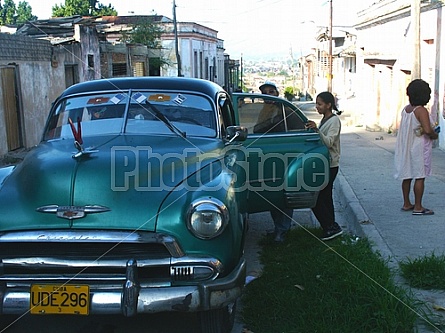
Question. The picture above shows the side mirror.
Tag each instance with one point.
(236, 133)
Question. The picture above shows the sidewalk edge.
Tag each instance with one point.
(358, 220)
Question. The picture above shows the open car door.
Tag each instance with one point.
(287, 164)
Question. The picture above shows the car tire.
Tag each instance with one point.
(218, 320)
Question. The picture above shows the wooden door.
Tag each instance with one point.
(10, 102)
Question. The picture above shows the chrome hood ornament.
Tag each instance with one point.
(78, 141)
(72, 212)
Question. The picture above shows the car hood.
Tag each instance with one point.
(118, 184)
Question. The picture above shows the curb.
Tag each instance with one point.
(358, 221)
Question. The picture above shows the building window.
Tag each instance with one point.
(71, 75)
(353, 65)
(154, 66)
(120, 69)
(90, 61)
(139, 69)
(195, 64)
(214, 74)
(201, 65)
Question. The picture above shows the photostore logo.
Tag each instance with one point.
(142, 169)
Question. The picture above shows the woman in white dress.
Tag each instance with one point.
(414, 146)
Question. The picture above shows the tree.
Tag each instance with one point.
(10, 14)
(144, 32)
(289, 93)
(148, 33)
(104, 11)
(83, 8)
(7, 12)
(24, 13)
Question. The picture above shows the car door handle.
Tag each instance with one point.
(313, 139)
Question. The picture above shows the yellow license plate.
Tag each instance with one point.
(60, 299)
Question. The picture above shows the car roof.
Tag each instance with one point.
(160, 83)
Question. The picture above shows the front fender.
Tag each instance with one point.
(172, 219)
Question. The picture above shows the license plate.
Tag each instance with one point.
(60, 299)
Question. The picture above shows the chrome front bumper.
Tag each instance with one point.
(131, 298)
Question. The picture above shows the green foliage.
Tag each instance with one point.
(312, 286)
(7, 12)
(289, 93)
(24, 13)
(10, 14)
(427, 272)
(103, 10)
(83, 8)
(148, 33)
(144, 32)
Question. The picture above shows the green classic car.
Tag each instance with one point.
(136, 200)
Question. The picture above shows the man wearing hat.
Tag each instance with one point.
(282, 218)
(265, 122)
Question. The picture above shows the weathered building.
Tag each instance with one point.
(200, 51)
(385, 59)
(65, 51)
(34, 71)
(314, 67)
(198, 48)
(125, 59)
(31, 77)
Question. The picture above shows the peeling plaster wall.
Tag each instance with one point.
(38, 84)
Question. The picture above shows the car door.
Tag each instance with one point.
(287, 164)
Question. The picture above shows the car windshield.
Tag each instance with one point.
(137, 112)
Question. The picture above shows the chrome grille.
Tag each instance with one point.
(83, 250)
(182, 273)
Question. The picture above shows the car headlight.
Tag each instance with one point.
(207, 218)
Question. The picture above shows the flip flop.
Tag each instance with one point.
(424, 212)
(403, 209)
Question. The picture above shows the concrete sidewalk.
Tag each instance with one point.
(367, 193)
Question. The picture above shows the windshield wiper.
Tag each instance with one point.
(159, 115)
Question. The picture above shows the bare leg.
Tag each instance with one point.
(406, 187)
(419, 187)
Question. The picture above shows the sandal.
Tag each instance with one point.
(403, 209)
(424, 212)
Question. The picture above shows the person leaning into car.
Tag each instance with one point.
(282, 218)
(270, 111)
(329, 129)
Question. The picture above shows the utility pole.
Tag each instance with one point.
(175, 28)
(415, 23)
(330, 48)
(241, 84)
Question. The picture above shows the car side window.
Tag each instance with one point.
(261, 115)
(293, 121)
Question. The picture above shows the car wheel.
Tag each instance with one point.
(218, 320)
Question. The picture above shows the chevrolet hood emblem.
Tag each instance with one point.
(72, 212)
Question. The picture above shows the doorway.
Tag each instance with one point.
(11, 103)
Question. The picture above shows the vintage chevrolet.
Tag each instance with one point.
(136, 200)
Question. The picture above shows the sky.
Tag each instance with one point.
(249, 28)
